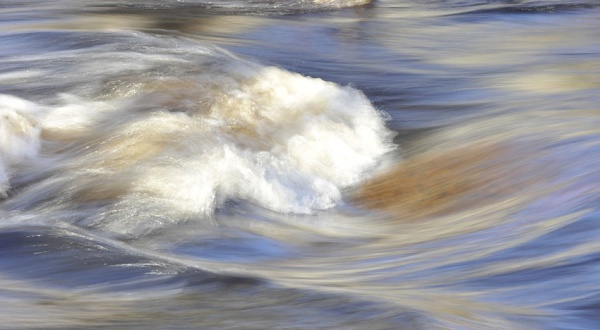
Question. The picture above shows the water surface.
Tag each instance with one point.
(299, 164)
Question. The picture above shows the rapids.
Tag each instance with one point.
(299, 164)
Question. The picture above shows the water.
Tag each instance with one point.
(299, 164)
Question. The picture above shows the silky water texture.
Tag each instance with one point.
(299, 164)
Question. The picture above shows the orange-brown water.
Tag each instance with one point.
(451, 181)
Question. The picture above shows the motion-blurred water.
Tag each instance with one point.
(299, 164)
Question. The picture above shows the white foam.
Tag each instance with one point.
(19, 137)
(176, 148)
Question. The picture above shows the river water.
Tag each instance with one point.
(299, 164)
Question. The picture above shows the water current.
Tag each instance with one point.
(299, 164)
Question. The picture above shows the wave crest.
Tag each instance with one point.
(164, 149)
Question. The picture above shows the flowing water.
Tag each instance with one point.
(299, 164)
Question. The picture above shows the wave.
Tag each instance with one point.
(524, 7)
(148, 149)
(252, 7)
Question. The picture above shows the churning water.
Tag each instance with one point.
(299, 164)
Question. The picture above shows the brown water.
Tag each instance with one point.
(299, 164)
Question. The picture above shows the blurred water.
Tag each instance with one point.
(299, 164)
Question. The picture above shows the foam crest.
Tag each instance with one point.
(168, 149)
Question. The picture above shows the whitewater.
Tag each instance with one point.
(299, 164)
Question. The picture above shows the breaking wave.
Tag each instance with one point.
(176, 144)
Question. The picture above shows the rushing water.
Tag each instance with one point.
(299, 164)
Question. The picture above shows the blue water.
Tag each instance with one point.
(299, 164)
